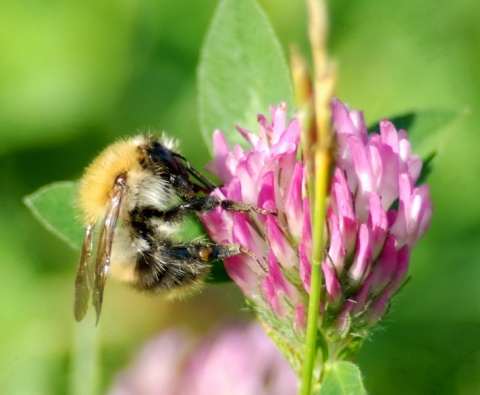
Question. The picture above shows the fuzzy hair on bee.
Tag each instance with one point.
(136, 194)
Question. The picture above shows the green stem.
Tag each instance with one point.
(322, 160)
(310, 348)
(85, 364)
(318, 157)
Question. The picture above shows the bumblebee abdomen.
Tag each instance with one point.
(164, 269)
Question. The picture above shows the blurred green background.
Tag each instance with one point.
(75, 75)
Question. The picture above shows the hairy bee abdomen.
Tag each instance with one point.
(171, 270)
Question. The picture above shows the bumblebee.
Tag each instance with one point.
(135, 194)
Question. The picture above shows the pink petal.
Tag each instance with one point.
(305, 268)
(278, 122)
(332, 285)
(363, 258)
(342, 204)
(385, 266)
(250, 137)
(300, 321)
(293, 203)
(276, 288)
(344, 123)
(280, 245)
(377, 224)
(221, 151)
(363, 172)
(336, 252)
(362, 298)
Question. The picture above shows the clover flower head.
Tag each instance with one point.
(375, 216)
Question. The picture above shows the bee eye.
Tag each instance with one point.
(163, 156)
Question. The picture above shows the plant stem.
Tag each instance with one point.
(310, 349)
(85, 365)
(323, 88)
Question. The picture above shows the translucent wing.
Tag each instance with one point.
(105, 239)
(84, 279)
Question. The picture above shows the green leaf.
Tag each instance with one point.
(342, 378)
(54, 205)
(426, 133)
(242, 70)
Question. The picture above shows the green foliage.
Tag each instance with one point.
(342, 378)
(242, 70)
(53, 64)
(54, 206)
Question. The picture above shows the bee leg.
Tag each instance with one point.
(211, 252)
(205, 252)
(205, 204)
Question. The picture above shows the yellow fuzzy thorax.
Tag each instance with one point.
(99, 178)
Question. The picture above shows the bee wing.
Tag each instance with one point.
(105, 239)
(84, 279)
